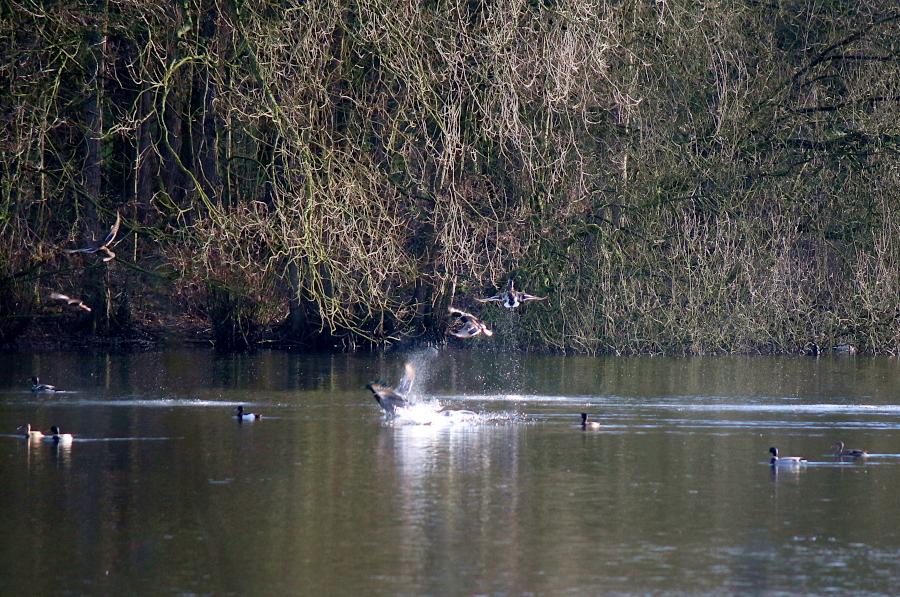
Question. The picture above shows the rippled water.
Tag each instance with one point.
(486, 485)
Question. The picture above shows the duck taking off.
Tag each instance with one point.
(103, 246)
(391, 398)
(511, 298)
(841, 452)
(465, 325)
(784, 460)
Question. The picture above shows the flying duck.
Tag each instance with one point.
(840, 452)
(37, 386)
(28, 433)
(104, 245)
(390, 398)
(784, 460)
(74, 302)
(511, 298)
(240, 415)
(465, 325)
(57, 437)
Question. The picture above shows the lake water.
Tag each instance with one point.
(162, 491)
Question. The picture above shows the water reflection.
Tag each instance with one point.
(162, 491)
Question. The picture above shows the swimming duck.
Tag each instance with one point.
(28, 433)
(784, 460)
(840, 452)
(103, 246)
(37, 386)
(74, 302)
(390, 399)
(585, 424)
(511, 298)
(57, 437)
(465, 325)
(240, 415)
(844, 349)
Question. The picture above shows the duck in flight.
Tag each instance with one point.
(784, 460)
(465, 325)
(240, 415)
(841, 452)
(74, 302)
(391, 398)
(103, 247)
(511, 298)
(37, 386)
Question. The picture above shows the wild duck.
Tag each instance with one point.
(240, 415)
(391, 398)
(465, 325)
(57, 437)
(585, 424)
(37, 386)
(72, 302)
(511, 298)
(784, 460)
(841, 452)
(27, 432)
(104, 245)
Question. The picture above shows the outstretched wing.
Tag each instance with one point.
(113, 231)
(409, 376)
(496, 298)
(84, 250)
(531, 297)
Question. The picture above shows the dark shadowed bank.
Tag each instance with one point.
(681, 177)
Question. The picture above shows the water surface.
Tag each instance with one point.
(163, 492)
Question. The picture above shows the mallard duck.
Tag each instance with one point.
(511, 298)
(57, 437)
(585, 424)
(27, 433)
(391, 398)
(465, 325)
(840, 452)
(784, 460)
(73, 302)
(37, 386)
(240, 415)
(103, 246)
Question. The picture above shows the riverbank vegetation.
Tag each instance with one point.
(683, 176)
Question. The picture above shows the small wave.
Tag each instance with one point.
(435, 413)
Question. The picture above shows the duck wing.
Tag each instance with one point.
(113, 231)
(530, 297)
(409, 376)
(386, 397)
